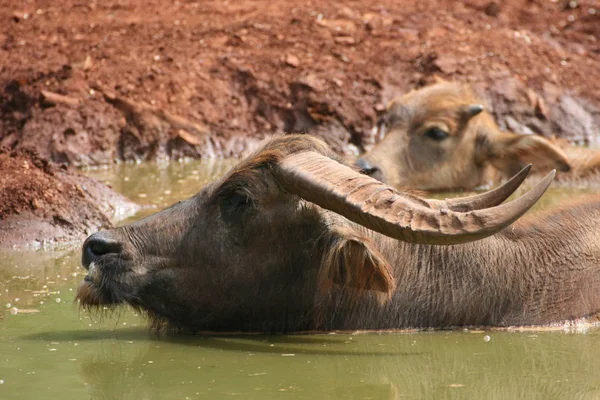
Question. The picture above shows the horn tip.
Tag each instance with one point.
(545, 183)
(474, 109)
(525, 171)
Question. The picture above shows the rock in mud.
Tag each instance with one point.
(45, 205)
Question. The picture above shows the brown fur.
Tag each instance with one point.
(88, 297)
(353, 261)
(251, 170)
(585, 163)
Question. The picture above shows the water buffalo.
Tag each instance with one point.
(440, 137)
(291, 239)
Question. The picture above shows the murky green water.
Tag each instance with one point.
(48, 349)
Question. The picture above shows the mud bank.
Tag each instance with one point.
(44, 205)
(88, 84)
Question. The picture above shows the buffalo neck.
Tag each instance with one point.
(538, 271)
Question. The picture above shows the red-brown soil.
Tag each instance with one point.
(155, 79)
(41, 204)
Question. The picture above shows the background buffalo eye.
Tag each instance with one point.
(436, 134)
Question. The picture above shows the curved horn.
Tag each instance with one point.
(488, 199)
(374, 205)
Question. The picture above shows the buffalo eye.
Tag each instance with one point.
(436, 134)
(234, 203)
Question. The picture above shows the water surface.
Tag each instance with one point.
(48, 349)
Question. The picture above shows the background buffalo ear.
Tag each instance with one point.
(351, 260)
(510, 152)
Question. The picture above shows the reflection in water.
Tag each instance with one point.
(59, 352)
(425, 365)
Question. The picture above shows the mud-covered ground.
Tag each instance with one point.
(41, 204)
(150, 79)
(89, 83)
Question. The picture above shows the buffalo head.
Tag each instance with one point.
(264, 248)
(441, 138)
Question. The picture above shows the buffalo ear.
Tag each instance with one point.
(351, 260)
(510, 152)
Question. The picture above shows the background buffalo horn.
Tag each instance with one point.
(474, 109)
(374, 205)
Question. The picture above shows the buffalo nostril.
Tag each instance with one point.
(366, 167)
(98, 245)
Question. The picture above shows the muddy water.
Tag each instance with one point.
(48, 349)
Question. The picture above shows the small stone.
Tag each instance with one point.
(541, 110)
(346, 40)
(446, 63)
(337, 82)
(347, 13)
(87, 63)
(292, 60)
(492, 9)
(313, 82)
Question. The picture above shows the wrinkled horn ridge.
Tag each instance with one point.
(379, 207)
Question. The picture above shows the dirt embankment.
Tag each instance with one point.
(88, 83)
(41, 204)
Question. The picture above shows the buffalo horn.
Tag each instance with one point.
(376, 206)
(474, 109)
(488, 199)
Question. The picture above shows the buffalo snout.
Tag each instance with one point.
(367, 168)
(98, 245)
